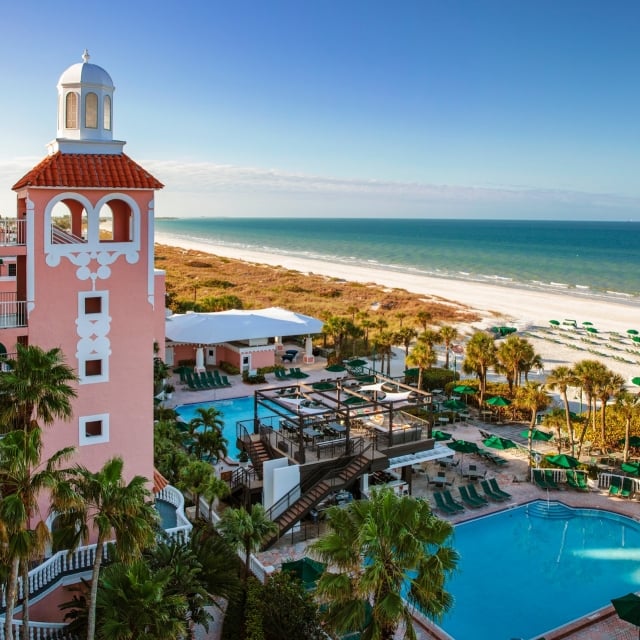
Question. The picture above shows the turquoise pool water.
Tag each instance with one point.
(532, 568)
(233, 410)
(167, 512)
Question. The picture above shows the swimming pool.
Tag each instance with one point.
(533, 568)
(232, 410)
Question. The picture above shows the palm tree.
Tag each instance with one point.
(561, 378)
(607, 385)
(628, 406)
(405, 336)
(532, 397)
(403, 543)
(424, 318)
(23, 477)
(337, 327)
(246, 530)
(102, 502)
(36, 389)
(480, 354)
(555, 419)
(448, 335)
(511, 354)
(586, 374)
(195, 478)
(422, 356)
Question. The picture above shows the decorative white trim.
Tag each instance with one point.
(93, 330)
(84, 439)
(31, 256)
(151, 280)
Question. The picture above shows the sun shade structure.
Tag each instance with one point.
(454, 405)
(536, 434)
(636, 380)
(498, 401)
(497, 442)
(335, 368)
(465, 390)
(563, 461)
(628, 609)
(463, 446)
(555, 323)
(238, 324)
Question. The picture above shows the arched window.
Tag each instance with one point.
(91, 111)
(107, 113)
(71, 111)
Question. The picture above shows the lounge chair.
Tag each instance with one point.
(473, 493)
(493, 483)
(615, 486)
(225, 381)
(627, 488)
(577, 480)
(190, 381)
(539, 479)
(448, 498)
(281, 374)
(468, 500)
(442, 505)
(490, 493)
(551, 482)
(211, 380)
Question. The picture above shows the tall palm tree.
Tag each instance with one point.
(555, 419)
(36, 389)
(511, 354)
(422, 356)
(587, 373)
(628, 406)
(194, 478)
(561, 378)
(424, 318)
(608, 384)
(23, 477)
(405, 336)
(204, 434)
(480, 355)
(338, 328)
(448, 335)
(101, 502)
(402, 541)
(246, 530)
(532, 397)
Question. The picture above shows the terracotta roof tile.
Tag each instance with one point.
(159, 481)
(76, 170)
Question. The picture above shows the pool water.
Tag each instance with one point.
(533, 568)
(232, 411)
(167, 513)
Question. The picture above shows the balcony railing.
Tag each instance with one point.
(13, 232)
(13, 312)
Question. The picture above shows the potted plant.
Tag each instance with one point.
(168, 391)
(243, 458)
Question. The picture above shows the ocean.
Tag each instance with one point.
(591, 259)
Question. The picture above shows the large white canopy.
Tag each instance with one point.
(227, 326)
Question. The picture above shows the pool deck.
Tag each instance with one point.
(511, 477)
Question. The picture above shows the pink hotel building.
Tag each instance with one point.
(77, 272)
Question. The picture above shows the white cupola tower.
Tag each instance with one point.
(85, 111)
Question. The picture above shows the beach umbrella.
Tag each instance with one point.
(631, 467)
(463, 446)
(555, 323)
(632, 332)
(307, 570)
(636, 380)
(586, 323)
(497, 442)
(563, 461)
(592, 330)
(354, 400)
(465, 390)
(543, 436)
(454, 405)
(628, 609)
(441, 436)
(335, 368)
(323, 386)
(498, 401)
(636, 338)
(356, 363)
(634, 441)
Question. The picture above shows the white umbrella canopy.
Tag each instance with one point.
(238, 324)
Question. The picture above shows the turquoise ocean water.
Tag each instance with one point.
(600, 259)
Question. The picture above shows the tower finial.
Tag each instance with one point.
(85, 55)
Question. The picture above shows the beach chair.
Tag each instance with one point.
(577, 480)
(539, 479)
(493, 483)
(442, 505)
(211, 380)
(448, 498)
(615, 486)
(627, 488)
(225, 381)
(550, 480)
(468, 500)
(190, 381)
(473, 493)
(281, 374)
(490, 493)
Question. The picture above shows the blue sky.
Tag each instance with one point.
(429, 108)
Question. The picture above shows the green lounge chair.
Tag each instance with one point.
(490, 493)
(551, 482)
(225, 381)
(627, 488)
(473, 493)
(493, 483)
(468, 500)
(211, 380)
(451, 502)
(539, 479)
(576, 480)
(442, 505)
(281, 374)
(190, 381)
(203, 381)
(615, 486)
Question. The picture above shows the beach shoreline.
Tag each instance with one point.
(496, 304)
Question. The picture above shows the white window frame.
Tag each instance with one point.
(86, 440)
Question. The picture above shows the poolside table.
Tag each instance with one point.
(336, 427)
(312, 434)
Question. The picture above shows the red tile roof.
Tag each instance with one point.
(77, 170)
(159, 481)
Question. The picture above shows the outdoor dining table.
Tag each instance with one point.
(312, 434)
(336, 427)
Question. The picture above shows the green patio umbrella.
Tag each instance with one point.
(497, 442)
(441, 436)
(636, 380)
(543, 436)
(323, 386)
(628, 609)
(592, 330)
(356, 363)
(631, 467)
(634, 441)
(555, 323)
(354, 400)
(335, 368)
(465, 390)
(636, 338)
(498, 401)
(586, 323)
(632, 332)
(564, 461)
(454, 405)
(463, 446)
(307, 570)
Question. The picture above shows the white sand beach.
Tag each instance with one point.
(528, 310)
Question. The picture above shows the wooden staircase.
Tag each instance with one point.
(258, 454)
(333, 480)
